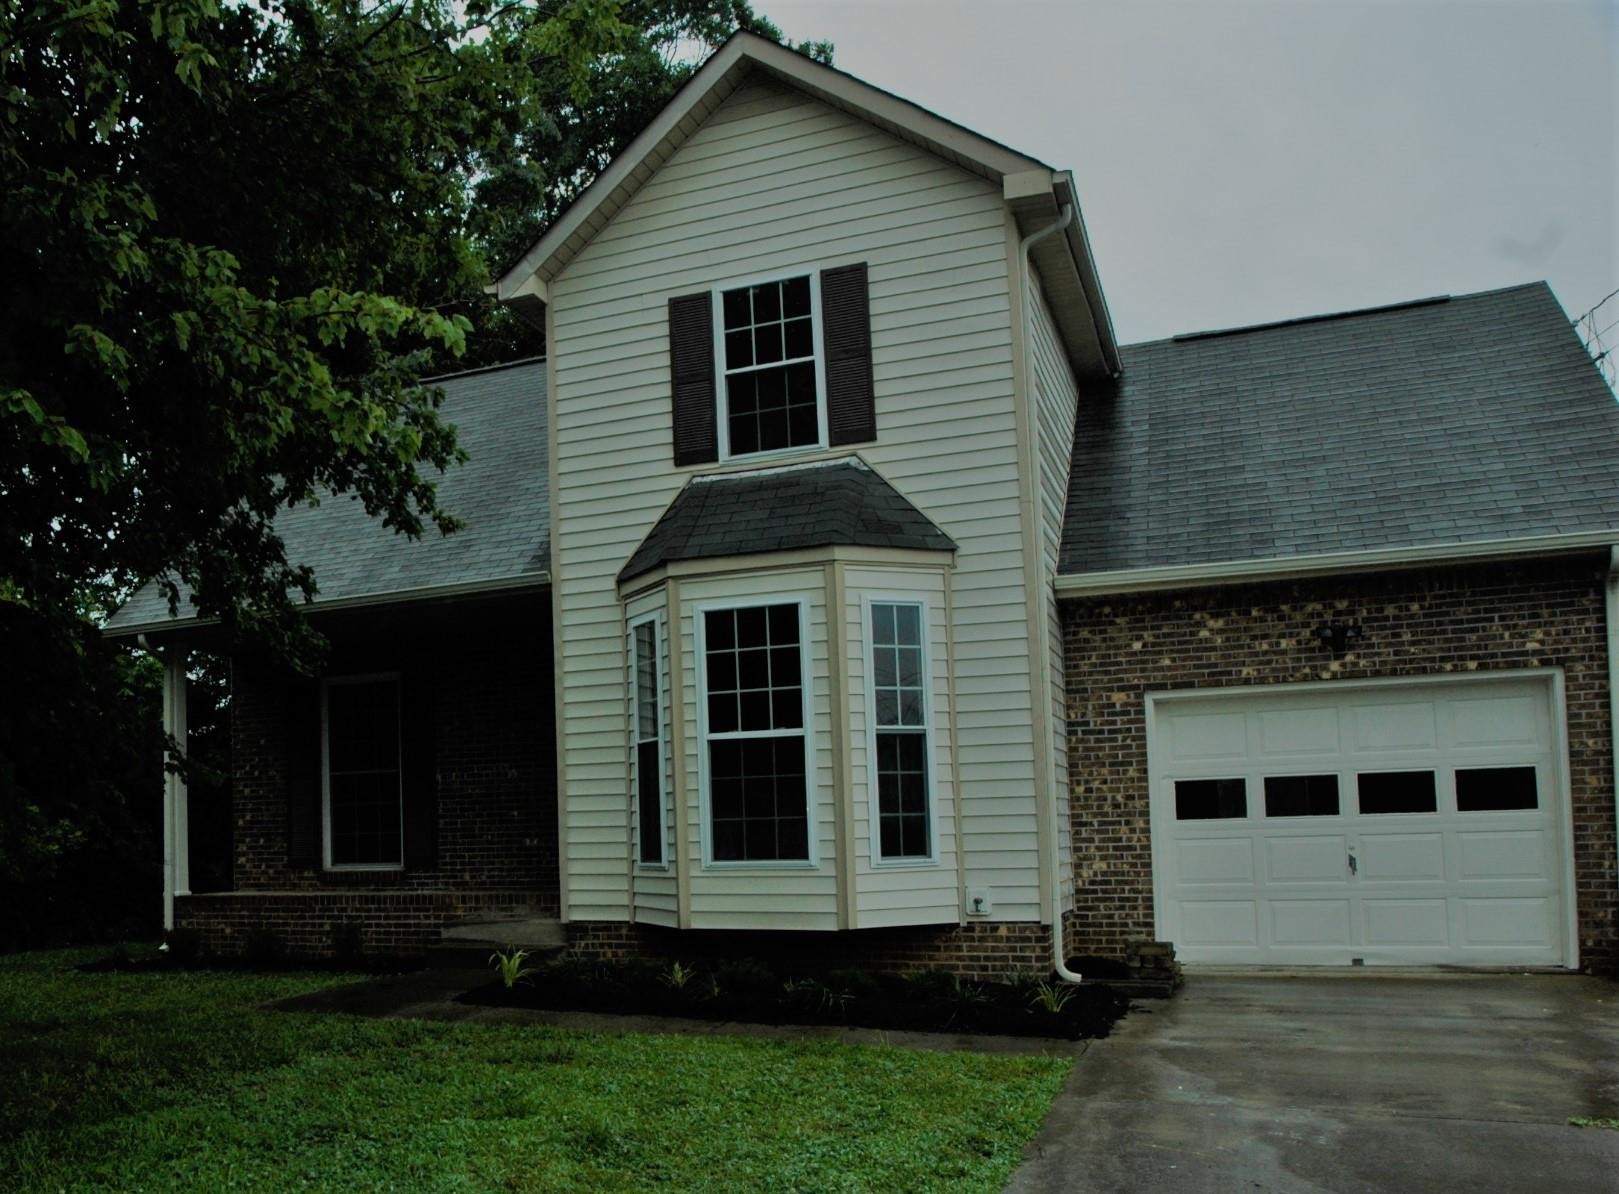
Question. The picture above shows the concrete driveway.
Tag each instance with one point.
(1345, 1082)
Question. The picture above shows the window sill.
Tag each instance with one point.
(903, 864)
(762, 866)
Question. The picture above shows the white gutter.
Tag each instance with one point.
(1225, 572)
(529, 580)
(1043, 662)
(1612, 603)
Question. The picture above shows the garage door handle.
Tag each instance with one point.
(1354, 867)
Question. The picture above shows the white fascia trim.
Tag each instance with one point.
(822, 82)
(529, 580)
(1079, 247)
(1187, 576)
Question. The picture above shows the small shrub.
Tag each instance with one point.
(746, 977)
(677, 977)
(512, 965)
(184, 946)
(816, 996)
(263, 947)
(1050, 997)
(348, 942)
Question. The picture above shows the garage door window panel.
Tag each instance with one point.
(1301, 795)
(1211, 799)
(1496, 789)
(1384, 793)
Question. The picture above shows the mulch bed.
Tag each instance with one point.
(755, 992)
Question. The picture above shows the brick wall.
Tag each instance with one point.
(490, 678)
(980, 950)
(314, 924)
(1546, 613)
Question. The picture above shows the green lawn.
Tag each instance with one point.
(178, 1082)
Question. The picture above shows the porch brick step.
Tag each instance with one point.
(471, 942)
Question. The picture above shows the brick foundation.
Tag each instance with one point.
(979, 950)
(314, 924)
(1547, 613)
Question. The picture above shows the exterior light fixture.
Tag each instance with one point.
(1336, 636)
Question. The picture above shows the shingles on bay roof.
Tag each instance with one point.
(501, 494)
(1440, 422)
(821, 505)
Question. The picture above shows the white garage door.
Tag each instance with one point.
(1387, 824)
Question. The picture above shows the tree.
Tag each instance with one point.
(232, 240)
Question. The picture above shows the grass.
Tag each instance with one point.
(176, 1081)
(1594, 1121)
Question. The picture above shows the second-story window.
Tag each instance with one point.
(769, 353)
(778, 365)
(771, 393)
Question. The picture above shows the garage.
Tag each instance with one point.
(1397, 822)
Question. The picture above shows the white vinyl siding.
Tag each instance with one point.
(1056, 406)
(775, 182)
(902, 892)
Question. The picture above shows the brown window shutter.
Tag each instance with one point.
(691, 360)
(419, 770)
(851, 415)
(304, 776)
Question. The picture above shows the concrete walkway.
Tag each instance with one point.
(1344, 1083)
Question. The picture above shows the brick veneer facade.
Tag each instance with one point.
(1546, 613)
(319, 924)
(488, 670)
(981, 950)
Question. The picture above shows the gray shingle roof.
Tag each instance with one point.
(844, 503)
(1442, 422)
(501, 494)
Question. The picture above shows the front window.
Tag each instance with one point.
(900, 718)
(771, 396)
(363, 795)
(648, 742)
(754, 730)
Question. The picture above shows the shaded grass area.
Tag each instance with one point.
(177, 1081)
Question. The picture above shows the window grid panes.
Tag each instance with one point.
(769, 344)
(758, 794)
(648, 744)
(900, 717)
(362, 773)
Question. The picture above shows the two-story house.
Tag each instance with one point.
(836, 584)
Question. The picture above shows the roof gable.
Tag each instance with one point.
(1035, 193)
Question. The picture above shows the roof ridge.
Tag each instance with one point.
(1350, 313)
(534, 360)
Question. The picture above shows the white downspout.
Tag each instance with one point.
(1612, 604)
(176, 831)
(1053, 826)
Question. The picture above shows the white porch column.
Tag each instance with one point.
(176, 835)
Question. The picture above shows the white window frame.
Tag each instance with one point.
(722, 371)
(326, 686)
(806, 693)
(874, 814)
(659, 637)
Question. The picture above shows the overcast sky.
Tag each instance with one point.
(1240, 162)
